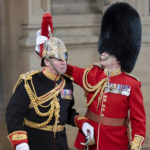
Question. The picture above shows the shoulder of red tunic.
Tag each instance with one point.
(96, 69)
(93, 73)
(97, 64)
(131, 76)
(134, 81)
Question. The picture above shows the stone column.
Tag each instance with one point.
(4, 69)
(33, 11)
(100, 4)
(4, 47)
(1, 83)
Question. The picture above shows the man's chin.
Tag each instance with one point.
(62, 71)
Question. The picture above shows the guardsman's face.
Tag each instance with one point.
(61, 65)
(108, 61)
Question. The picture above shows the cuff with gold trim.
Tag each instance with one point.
(18, 137)
(79, 120)
(137, 142)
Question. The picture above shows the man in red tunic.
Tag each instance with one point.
(113, 96)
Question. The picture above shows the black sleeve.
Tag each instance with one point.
(17, 109)
(72, 112)
(129, 147)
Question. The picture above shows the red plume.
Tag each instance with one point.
(46, 22)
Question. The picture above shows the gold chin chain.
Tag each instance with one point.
(38, 101)
(99, 87)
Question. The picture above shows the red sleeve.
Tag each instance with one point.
(79, 120)
(76, 73)
(18, 137)
(137, 112)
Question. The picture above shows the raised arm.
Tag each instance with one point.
(76, 73)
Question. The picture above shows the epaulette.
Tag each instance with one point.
(25, 76)
(29, 75)
(70, 77)
(97, 64)
(133, 76)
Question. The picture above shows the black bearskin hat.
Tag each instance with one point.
(121, 34)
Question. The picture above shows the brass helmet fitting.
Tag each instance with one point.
(55, 48)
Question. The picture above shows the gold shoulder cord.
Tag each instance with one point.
(96, 88)
(22, 76)
(38, 101)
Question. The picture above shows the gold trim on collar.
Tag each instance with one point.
(50, 75)
(111, 73)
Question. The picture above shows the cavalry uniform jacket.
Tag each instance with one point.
(110, 98)
(40, 107)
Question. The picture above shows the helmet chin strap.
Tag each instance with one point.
(49, 60)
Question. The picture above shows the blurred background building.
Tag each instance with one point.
(77, 23)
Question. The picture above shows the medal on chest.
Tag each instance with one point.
(118, 89)
(66, 93)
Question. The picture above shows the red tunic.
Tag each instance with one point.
(113, 105)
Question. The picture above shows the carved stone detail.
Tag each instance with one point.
(36, 8)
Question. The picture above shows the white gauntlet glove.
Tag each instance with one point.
(40, 39)
(88, 130)
(22, 146)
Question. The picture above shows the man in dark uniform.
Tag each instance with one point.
(112, 93)
(42, 101)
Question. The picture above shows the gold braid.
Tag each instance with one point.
(96, 88)
(34, 99)
(22, 76)
(38, 101)
(54, 110)
(56, 114)
(40, 125)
